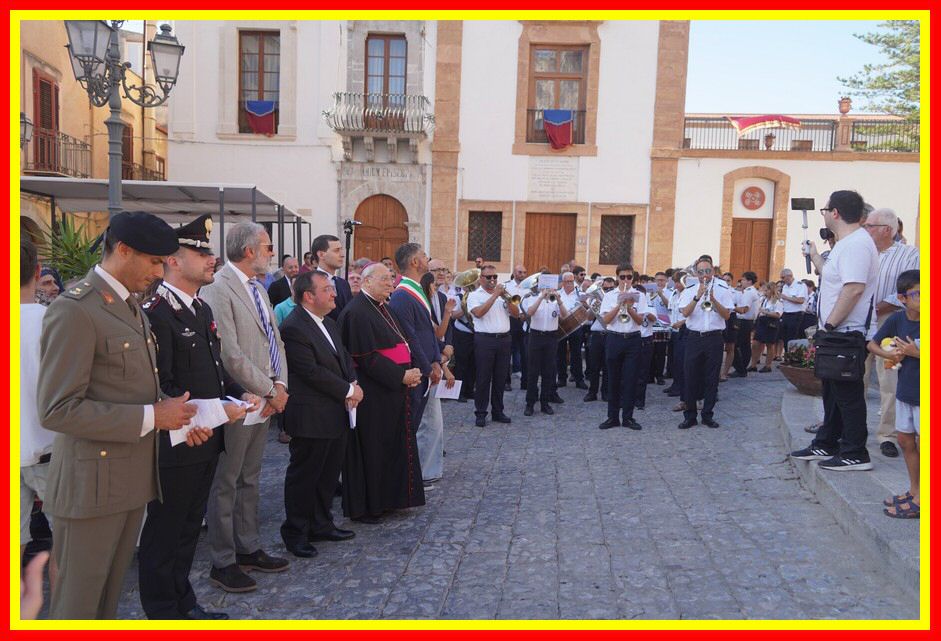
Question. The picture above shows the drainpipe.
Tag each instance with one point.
(646, 236)
(513, 240)
(588, 240)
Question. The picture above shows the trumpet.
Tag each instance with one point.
(513, 300)
(623, 315)
(707, 299)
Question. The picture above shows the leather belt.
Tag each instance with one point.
(551, 332)
(709, 333)
(502, 335)
(623, 334)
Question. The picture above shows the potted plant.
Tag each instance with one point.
(69, 248)
(798, 369)
(769, 141)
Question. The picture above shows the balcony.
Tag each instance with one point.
(536, 131)
(134, 171)
(53, 153)
(389, 117)
(901, 136)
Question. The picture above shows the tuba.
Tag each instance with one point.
(467, 281)
(592, 297)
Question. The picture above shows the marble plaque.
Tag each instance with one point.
(553, 179)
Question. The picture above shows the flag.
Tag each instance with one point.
(744, 124)
(558, 124)
(261, 116)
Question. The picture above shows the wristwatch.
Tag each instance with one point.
(828, 327)
(696, 298)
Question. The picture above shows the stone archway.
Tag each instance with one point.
(782, 194)
(384, 227)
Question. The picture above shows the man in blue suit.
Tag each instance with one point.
(413, 311)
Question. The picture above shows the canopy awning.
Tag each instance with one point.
(175, 202)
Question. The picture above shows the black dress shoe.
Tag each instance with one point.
(660, 381)
(609, 423)
(737, 375)
(302, 549)
(581, 385)
(231, 578)
(631, 424)
(198, 613)
(667, 390)
(545, 408)
(639, 406)
(502, 418)
(461, 399)
(590, 396)
(685, 425)
(260, 561)
(556, 399)
(480, 421)
(529, 411)
(708, 422)
(561, 383)
(336, 534)
(674, 393)
(367, 518)
(507, 388)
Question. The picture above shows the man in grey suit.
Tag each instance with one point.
(254, 356)
(99, 389)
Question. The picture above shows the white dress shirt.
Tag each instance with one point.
(797, 289)
(496, 320)
(610, 301)
(675, 315)
(183, 296)
(699, 320)
(749, 298)
(124, 294)
(546, 318)
(318, 321)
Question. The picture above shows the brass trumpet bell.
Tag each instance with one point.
(467, 278)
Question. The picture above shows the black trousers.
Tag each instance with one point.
(670, 356)
(168, 540)
(540, 353)
(678, 343)
(309, 485)
(701, 366)
(596, 362)
(465, 366)
(643, 370)
(790, 326)
(742, 355)
(657, 361)
(570, 357)
(622, 354)
(518, 348)
(844, 419)
(492, 358)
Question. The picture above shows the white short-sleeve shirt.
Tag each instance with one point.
(610, 301)
(546, 318)
(699, 320)
(796, 289)
(853, 259)
(495, 321)
(749, 298)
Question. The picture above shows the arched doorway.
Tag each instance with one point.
(383, 229)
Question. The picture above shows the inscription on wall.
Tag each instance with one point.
(553, 179)
(394, 173)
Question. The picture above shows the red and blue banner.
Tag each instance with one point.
(558, 124)
(744, 124)
(261, 116)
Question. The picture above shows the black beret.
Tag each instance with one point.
(144, 232)
(195, 235)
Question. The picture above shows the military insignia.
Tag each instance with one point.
(208, 227)
(213, 328)
(554, 314)
(188, 333)
(167, 295)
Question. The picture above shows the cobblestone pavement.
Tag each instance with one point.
(551, 518)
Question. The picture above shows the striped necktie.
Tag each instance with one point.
(273, 355)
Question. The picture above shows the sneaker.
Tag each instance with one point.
(812, 454)
(840, 464)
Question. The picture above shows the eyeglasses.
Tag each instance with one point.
(871, 225)
(494, 277)
(439, 270)
(915, 294)
(268, 246)
(824, 210)
(707, 270)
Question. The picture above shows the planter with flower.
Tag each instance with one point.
(798, 369)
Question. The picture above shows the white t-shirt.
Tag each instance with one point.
(853, 259)
(749, 298)
(546, 318)
(610, 301)
(769, 307)
(797, 289)
(35, 440)
(699, 320)
(495, 321)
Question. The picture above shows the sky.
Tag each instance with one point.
(775, 66)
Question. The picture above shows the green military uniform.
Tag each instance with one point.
(98, 372)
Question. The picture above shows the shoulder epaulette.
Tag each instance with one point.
(152, 302)
(79, 290)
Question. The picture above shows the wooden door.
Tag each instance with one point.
(383, 229)
(45, 123)
(550, 240)
(751, 247)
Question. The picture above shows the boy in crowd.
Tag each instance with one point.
(902, 329)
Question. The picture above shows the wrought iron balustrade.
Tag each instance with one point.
(55, 153)
(380, 113)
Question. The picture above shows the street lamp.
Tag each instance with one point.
(94, 50)
(26, 130)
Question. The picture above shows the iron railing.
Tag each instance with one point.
(536, 131)
(893, 136)
(56, 153)
(380, 113)
(718, 133)
(134, 171)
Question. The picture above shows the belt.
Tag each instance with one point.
(711, 332)
(503, 335)
(540, 331)
(623, 334)
(45, 458)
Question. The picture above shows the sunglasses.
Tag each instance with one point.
(915, 294)
(494, 277)
(708, 270)
(626, 276)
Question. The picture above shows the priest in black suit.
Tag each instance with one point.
(329, 254)
(323, 388)
(283, 288)
(189, 358)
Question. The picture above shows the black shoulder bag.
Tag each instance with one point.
(841, 356)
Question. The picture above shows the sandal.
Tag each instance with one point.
(897, 499)
(906, 509)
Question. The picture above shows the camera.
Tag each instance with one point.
(826, 234)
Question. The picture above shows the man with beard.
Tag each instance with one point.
(382, 470)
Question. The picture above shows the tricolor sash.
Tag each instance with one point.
(416, 292)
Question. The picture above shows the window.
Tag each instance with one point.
(386, 57)
(161, 167)
(259, 73)
(557, 81)
(46, 122)
(127, 153)
(484, 234)
(617, 239)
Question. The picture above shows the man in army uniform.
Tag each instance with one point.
(189, 359)
(99, 390)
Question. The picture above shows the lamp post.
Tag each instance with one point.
(26, 130)
(94, 49)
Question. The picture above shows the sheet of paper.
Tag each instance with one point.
(352, 414)
(548, 281)
(254, 418)
(209, 414)
(442, 391)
